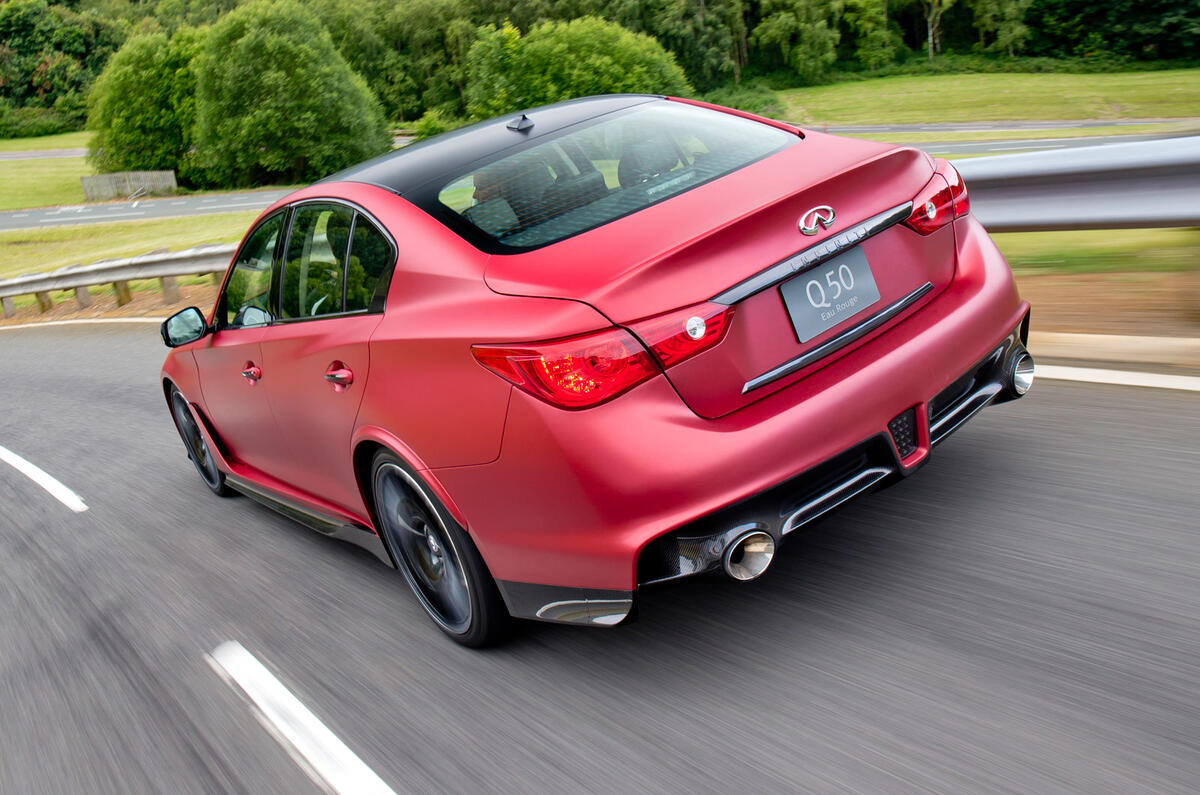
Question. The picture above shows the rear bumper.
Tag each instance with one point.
(582, 507)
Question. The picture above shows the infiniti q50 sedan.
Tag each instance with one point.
(540, 362)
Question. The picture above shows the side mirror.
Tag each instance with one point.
(185, 326)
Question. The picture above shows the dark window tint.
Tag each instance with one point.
(598, 173)
(369, 268)
(315, 264)
(245, 300)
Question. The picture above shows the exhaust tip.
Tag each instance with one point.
(1020, 373)
(749, 556)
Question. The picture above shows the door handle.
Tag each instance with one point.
(339, 375)
(252, 372)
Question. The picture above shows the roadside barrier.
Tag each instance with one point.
(1115, 186)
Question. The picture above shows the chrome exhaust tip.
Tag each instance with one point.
(749, 556)
(1020, 373)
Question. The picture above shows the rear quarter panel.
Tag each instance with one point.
(426, 388)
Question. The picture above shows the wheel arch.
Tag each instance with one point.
(215, 442)
(368, 441)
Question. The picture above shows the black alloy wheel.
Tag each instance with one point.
(196, 446)
(436, 557)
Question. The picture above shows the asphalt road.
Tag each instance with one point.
(1021, 616)
(139, 210)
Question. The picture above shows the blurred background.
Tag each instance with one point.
(1022, 617)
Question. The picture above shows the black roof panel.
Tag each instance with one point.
(450, 154)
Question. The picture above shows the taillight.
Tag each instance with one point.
(681, 334)
(941, 201)
(574, 373)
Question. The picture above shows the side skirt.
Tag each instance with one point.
(312, 518)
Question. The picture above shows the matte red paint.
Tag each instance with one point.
(570, 497)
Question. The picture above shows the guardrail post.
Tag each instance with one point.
(9, 308)
(45, 304)
(83, 297)
(217, 277)
(170, 289)
(123, 294)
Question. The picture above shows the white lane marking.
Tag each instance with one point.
(84, 322)
(39, 476)
(311, 743)
(1015, 145)
(259, 203)
(90, 217)
(1094, 375)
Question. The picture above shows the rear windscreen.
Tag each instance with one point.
(609, 169)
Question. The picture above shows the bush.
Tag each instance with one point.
(50, 54)
(435, 122)
(804, 32)
(142, 107)
(32, 121)
(276, 103)
(753, 97)
(562, 60)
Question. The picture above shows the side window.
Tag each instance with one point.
(369, 269)
(314, 268)
(245, 301)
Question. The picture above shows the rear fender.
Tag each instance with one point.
(370, 437)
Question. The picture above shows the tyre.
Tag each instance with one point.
(436, 557)
(196, 446)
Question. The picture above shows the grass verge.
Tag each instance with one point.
(998, 97)
(42, 183)
(1101, 251)
(71, 140)
(1164, 128)
(33, 250)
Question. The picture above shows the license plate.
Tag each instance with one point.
(820, 298)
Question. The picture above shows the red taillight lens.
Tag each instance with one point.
(681, 334)
(574, 373)
(941, 201)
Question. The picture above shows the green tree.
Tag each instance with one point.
(934, 10)
(142, 107)
(1001, 24)
(425, 65)
(876, 45)
(1142, 29)
(805, 32)
(275, 102)
(707, 37)
(50, 54)
(561, 60)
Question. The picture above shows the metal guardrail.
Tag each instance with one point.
(1118, 186)
(1115, 186)
(166, 266)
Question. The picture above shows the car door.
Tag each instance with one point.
(334, 278)
(229, 361)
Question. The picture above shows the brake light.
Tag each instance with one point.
(679, 335)
(941, 201)
(574, 373)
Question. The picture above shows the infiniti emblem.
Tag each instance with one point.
(816, 219)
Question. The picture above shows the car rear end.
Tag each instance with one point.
(798, 329)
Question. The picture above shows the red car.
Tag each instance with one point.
(543, 361)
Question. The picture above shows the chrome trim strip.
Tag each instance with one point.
(312, 518)
(840, 341)
(818, 506)
(814, 255)
(966, 408)
(605, 612)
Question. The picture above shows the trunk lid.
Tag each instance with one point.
(715, 241)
